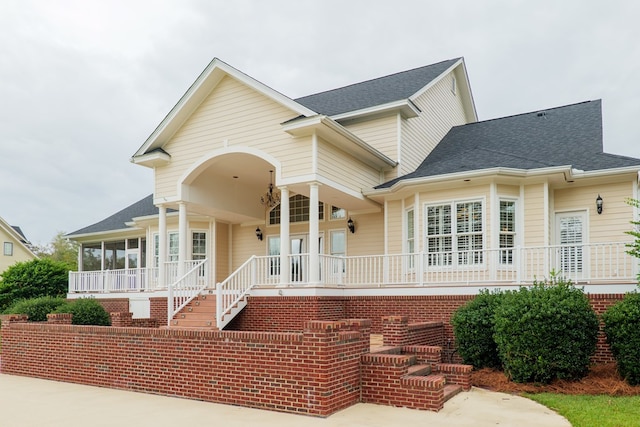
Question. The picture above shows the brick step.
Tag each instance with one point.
(191, 323)
(419, 370)
(451, 390)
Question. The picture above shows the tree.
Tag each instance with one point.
(60, 249)
(634, 248)
(32, 279)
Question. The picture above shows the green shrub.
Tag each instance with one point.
(622, 327)
(545, 332)
(32, 279)
(86, 311)
(473, 326)
(36, 308)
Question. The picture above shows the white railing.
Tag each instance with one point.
(600, 262)
(235, 287)
(187, 287)
(125, 280)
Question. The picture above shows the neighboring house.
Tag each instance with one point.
(385, 187)
(15, 246)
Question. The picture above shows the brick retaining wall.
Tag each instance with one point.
(313, 372)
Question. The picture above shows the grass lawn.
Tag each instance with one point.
(590, 411)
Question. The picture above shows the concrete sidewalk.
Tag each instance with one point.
(29, 402)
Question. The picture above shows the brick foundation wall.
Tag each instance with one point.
(288, 314)
(112, 305)
(158, 309)
(314, 372)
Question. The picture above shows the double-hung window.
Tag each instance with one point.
(455, 234)
(507, 230)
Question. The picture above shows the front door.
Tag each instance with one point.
(571, 234)
(297, 257)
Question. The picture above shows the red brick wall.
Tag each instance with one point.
(289, 313)
(158, 309)
(315, 372)
(113, 305)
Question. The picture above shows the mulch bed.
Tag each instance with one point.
(602, 379)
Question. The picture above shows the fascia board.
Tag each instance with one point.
(152, 159)
(197, 93)
(406, 107)
(336, 134)
(522, 173)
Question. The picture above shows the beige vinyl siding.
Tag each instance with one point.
(534, 226)
(238, 115)
(380, 133)
(20, 254)
(511, 191)
(222, 252)
(441, 109)
(347, 170)
(369, 236)
(394, 227)
(615, 219)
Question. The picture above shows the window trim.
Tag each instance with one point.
(453, 225)
(515, 233)
(9, 246)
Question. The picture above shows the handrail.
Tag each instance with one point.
(235, 287)
(186, 288)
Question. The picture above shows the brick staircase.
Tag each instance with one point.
(408, 370)
(199, 313)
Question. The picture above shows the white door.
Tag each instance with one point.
(297, 257)
(571, 255)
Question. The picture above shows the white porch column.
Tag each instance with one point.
(182, 238)
(285, 244)
(314, 235)
(162, 246)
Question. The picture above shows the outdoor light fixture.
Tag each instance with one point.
(259, 233)
(599, 204)
(270, 199)
(351, 226)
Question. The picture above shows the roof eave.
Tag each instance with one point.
(404, 106)
(336, 134)
(197, 93)
(152, 159)
(473, 174)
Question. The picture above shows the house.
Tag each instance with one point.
(388, 187)
(15, 246)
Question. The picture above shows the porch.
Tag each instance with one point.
(600, 263)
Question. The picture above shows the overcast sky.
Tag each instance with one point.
(83, 83)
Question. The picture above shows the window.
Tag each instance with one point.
(174, 243)
(453, 84)
(338, 213)
(462, 233)
(92, 257)
(410, 237)
(199, 245)
(274, 259)
(298, 210)
(339, 249)
(8, 249)
(507, 230)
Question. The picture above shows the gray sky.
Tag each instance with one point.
(83, 83)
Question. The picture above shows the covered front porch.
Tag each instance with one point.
(603, 264)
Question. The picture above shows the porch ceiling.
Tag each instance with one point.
(230, 186)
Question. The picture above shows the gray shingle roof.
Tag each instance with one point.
(19, 231)
(118, 220)
(568, 135)
(374, 92)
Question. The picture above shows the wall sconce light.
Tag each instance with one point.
(259, 233)
(351, 226)
(599, 204)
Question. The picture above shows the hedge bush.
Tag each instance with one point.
(546, 332)
(33, 279)
(36, 308)
(473, 328)
(622, 327)
(86, 311)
